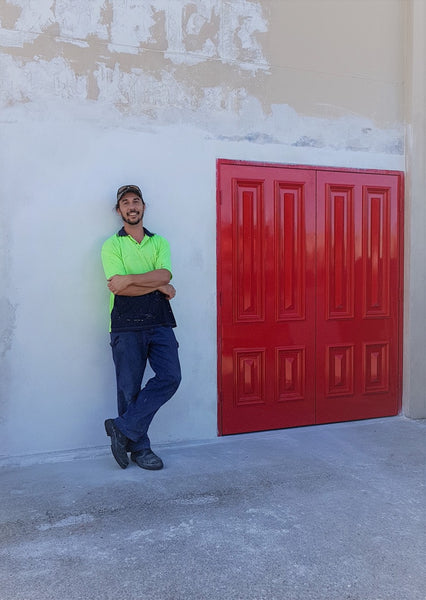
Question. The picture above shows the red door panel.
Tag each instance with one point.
(309, 316)
(266, 226)
(357, 296)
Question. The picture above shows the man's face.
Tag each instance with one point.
(131, 208)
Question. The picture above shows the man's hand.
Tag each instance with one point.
(168, 290)
(118, 283)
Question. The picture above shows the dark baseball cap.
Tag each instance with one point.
(124, 189)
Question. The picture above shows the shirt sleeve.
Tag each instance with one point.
(163, 257)
(112, 261)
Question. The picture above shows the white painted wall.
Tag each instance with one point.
(66, 148)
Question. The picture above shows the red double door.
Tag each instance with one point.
(309, 295)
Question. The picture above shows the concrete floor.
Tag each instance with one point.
(332, 512)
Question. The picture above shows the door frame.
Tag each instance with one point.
(401, 204)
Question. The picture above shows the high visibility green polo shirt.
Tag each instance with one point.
(123, 255)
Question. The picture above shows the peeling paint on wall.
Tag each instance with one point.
(135, 58)
(184, 31)
(208, 63)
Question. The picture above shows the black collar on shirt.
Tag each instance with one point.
(123, 233)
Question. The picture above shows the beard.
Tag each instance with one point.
(132, 219)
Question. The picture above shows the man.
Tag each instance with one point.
(138, 269)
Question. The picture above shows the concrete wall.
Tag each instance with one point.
(415, 274)
(95, 95)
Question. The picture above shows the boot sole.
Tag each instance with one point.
(121, 461)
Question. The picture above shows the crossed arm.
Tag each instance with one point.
(144, 283)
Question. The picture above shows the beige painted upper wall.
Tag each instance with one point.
(331, 56)
(325, 58)
(358, 37)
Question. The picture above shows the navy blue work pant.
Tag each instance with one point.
(136, 406)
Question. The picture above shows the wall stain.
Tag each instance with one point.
(10, 13)
(308, 142)
(158, 30)
(7, 328)
(107, 15)
(199, 29)
(7, 325)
